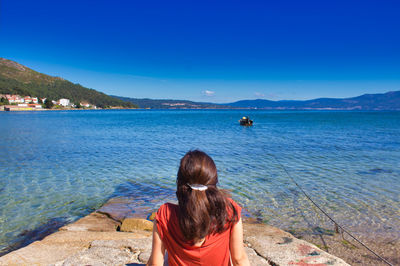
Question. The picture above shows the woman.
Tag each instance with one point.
(205, 228)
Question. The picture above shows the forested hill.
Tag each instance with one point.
(18, 79)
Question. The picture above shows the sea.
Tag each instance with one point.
(58, 166)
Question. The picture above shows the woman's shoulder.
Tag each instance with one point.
(165, 211)
(234, 204)
(168, 206)
(234, 207)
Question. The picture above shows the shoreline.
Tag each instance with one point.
(238, 109)
(112, 214)
(109, 236)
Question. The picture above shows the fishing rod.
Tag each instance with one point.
(327, 215)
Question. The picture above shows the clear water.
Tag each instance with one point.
(64, 164)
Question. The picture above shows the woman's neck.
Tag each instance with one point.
(199, 242)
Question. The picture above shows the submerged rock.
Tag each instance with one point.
(117, 208)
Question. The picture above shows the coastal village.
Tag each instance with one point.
(28, 103)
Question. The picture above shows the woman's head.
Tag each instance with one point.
(197, 168)
(203, 209)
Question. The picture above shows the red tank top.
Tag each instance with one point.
(214, 250)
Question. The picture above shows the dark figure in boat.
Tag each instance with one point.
(245, 121)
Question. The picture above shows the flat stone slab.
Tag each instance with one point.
(254, 259)
(93, 222)
(112, 252)
(64, 244)
(89, 236)
(39, 253)
(102, 256)
(281, 248)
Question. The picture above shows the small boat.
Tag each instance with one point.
(246, 121)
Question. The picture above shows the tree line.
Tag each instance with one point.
(58, 88)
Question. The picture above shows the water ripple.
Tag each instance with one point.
(65, 164)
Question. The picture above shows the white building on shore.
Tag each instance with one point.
(64, 102)
(19, 99)
(14, 98)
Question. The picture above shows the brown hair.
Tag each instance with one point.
(201, 212)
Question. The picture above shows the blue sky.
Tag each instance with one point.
(213, 51)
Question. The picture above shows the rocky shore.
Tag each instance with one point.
(110, 236)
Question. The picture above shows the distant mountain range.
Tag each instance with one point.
(18, 79)
(171, 104)
(381, 101)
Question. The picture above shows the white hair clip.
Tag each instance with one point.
(197, 187)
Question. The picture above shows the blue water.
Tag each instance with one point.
(65, 164)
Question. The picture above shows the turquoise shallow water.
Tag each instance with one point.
(58, 166)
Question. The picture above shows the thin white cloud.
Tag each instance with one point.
(208, 93)
(259, 94)
(272, 96)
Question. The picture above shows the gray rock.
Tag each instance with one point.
(103, 256)
(280, 247)
(140, 244)
(113, 252)
(144, 256)
(254, 259)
